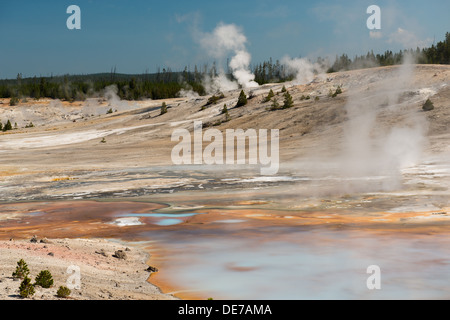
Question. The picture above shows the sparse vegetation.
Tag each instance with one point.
(225, 109)
(163, 108)
(270, 95)
(335, 93)
(288, 102)
(283, 90)
(26, 289)
(22, 270)
(214, 99)
(7, 126)
(30, 125)
(275, 105)
(242, 100)
(63, 292)
(13, 101)
(109, 111)
(103, 140)
(44, 279)
(428, 106)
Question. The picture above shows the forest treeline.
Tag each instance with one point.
(166, 83)
(436, 54)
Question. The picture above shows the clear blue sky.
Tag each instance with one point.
(139, 35)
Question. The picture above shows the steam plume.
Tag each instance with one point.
(224, 40)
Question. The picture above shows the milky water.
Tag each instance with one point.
(297, 263)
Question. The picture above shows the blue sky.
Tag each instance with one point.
(141, 35)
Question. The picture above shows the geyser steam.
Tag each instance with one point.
(303, 70)
(224, 40)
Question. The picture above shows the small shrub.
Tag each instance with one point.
(22, 270)
(242, 101)
(275, 104)
(283, 90)
(13, 101)
(26, 289)
(269, 96)
(103, 140)
(44, 279)
(225, 109)
(214, 99)
(428, 106)
(8, 126)
(163, 108)
(317, 98)
(288, 102)
(109, 111)
(63, 292)
(336, 93)
(225, 112)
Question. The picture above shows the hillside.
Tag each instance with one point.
(378, 114)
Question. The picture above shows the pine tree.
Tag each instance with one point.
(275, 104)
(283, 89)
(163, 108)
(225, 109)
(7, 126)
(44, 279)
(288, 102)
(428, 106)
(22, 270)
(63, 292)
(242, 101)
(26, 289)
(269, 96)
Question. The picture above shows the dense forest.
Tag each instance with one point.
(167, 84)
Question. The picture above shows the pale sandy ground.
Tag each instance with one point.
(102, 277)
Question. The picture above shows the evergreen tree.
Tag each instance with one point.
(275, 104)
(269, 96)
(225, 109)
(7, 126)
(428, 106)
(242, 101)
(22, 270)
(288, 102)
(63, 292)
(163, 108)
(26, 289)
(44, 279)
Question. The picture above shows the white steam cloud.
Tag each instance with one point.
(224, 40)
(370, 150)
(303, 69)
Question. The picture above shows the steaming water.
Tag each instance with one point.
(290, 263)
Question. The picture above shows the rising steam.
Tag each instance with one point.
(303, 70)
(224, 40)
